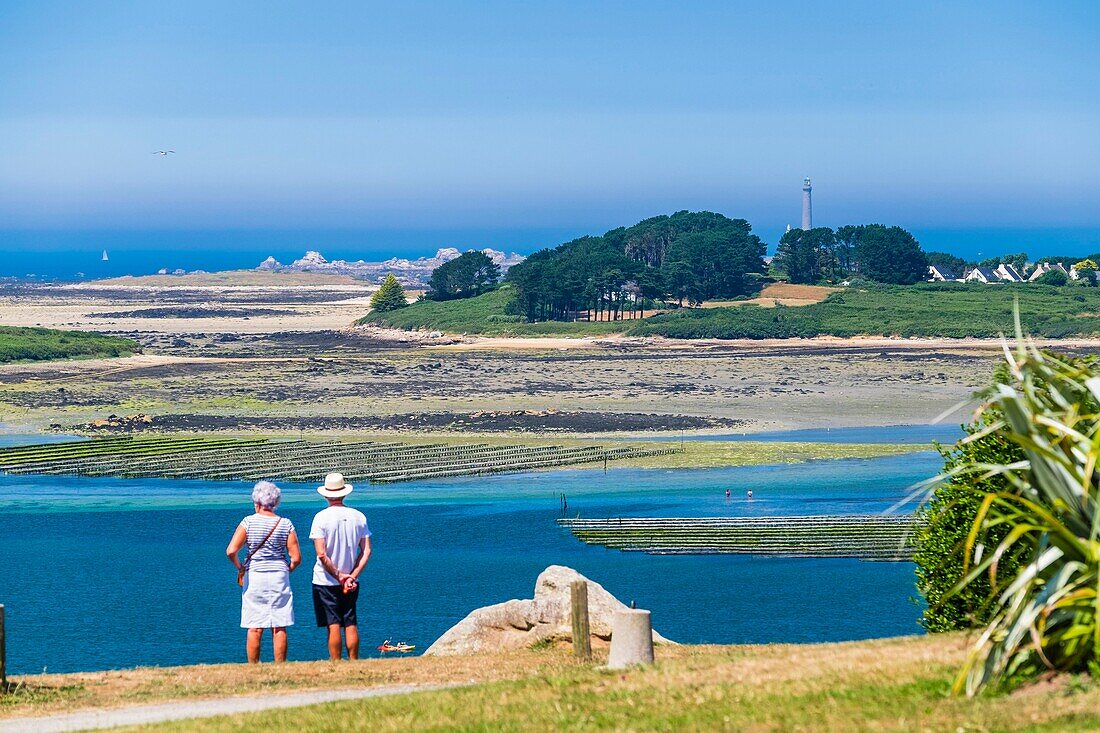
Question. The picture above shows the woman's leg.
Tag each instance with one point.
(278, 639)
(255, 636)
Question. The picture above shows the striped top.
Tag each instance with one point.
(272, 556)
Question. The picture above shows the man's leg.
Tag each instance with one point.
(351, 640)
(252, 645)
(278, 639)
(334, 642)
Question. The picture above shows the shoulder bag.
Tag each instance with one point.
(244, 567)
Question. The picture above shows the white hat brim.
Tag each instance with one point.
(335, 494)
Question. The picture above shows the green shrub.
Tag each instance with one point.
(1053, 277)
(948, 518)
(1045, 616)
(41, 344)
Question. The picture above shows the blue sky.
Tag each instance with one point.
(556, 115)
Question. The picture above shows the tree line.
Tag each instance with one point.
(872, 251)
(686, 257)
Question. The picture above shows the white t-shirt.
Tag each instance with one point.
(342, 528)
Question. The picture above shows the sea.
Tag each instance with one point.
(73, 255)
(102, 573)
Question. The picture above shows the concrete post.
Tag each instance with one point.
(631, 639)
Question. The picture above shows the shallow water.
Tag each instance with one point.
(108, 573)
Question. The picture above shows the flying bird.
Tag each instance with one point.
(163, 152)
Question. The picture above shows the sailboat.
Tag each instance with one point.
(104, 255)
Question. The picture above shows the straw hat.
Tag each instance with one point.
(335, 487)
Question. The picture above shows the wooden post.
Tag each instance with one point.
(3, 663)
(582, 644)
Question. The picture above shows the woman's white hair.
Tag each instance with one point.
(267, 495)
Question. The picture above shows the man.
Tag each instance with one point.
(342, 540)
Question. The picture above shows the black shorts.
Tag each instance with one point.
(333, 606)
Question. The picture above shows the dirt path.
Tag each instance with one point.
(152, 714)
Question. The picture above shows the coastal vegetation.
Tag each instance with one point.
(692, 256)
(1023, 486)
(469, 274)
(43, 344)
(949, 310)
(390, 296)
(875, 252)
(890, 684)
(948, 518)
(1047, 615)
(487, 314)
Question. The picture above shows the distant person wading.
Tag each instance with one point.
(273, 552)
(342, 540)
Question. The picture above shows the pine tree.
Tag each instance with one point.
(389, 297)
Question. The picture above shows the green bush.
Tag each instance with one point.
(1046, 518)
(1053, 277)
(42, 344)
(948, 518)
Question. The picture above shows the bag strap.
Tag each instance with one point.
(259, 547)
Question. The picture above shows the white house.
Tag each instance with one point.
(982, 275)
(1044, 267)
(1008, 273)
(942, 274)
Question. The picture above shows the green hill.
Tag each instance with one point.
(483, 314)
(43, 344)
(950, 310)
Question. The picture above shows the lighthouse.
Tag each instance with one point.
(807, 224)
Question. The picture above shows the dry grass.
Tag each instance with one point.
(41, 694)
(891, 684)
(782, 294)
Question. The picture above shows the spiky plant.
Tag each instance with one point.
(1046, 616)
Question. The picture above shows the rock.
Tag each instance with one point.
(520, 623)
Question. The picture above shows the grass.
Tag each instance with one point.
(43, 344)
(951, 310)
(891, 684)
(59, 693)
(484, 314)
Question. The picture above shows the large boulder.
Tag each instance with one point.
(521, 623)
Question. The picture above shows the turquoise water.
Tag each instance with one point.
(108, 573)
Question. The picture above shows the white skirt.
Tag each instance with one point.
(267, 601)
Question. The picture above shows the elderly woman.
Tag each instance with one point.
(273, 551)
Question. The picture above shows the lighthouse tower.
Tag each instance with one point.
(806, 218)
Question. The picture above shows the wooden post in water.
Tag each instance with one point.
(3, 663)
(582, 644)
